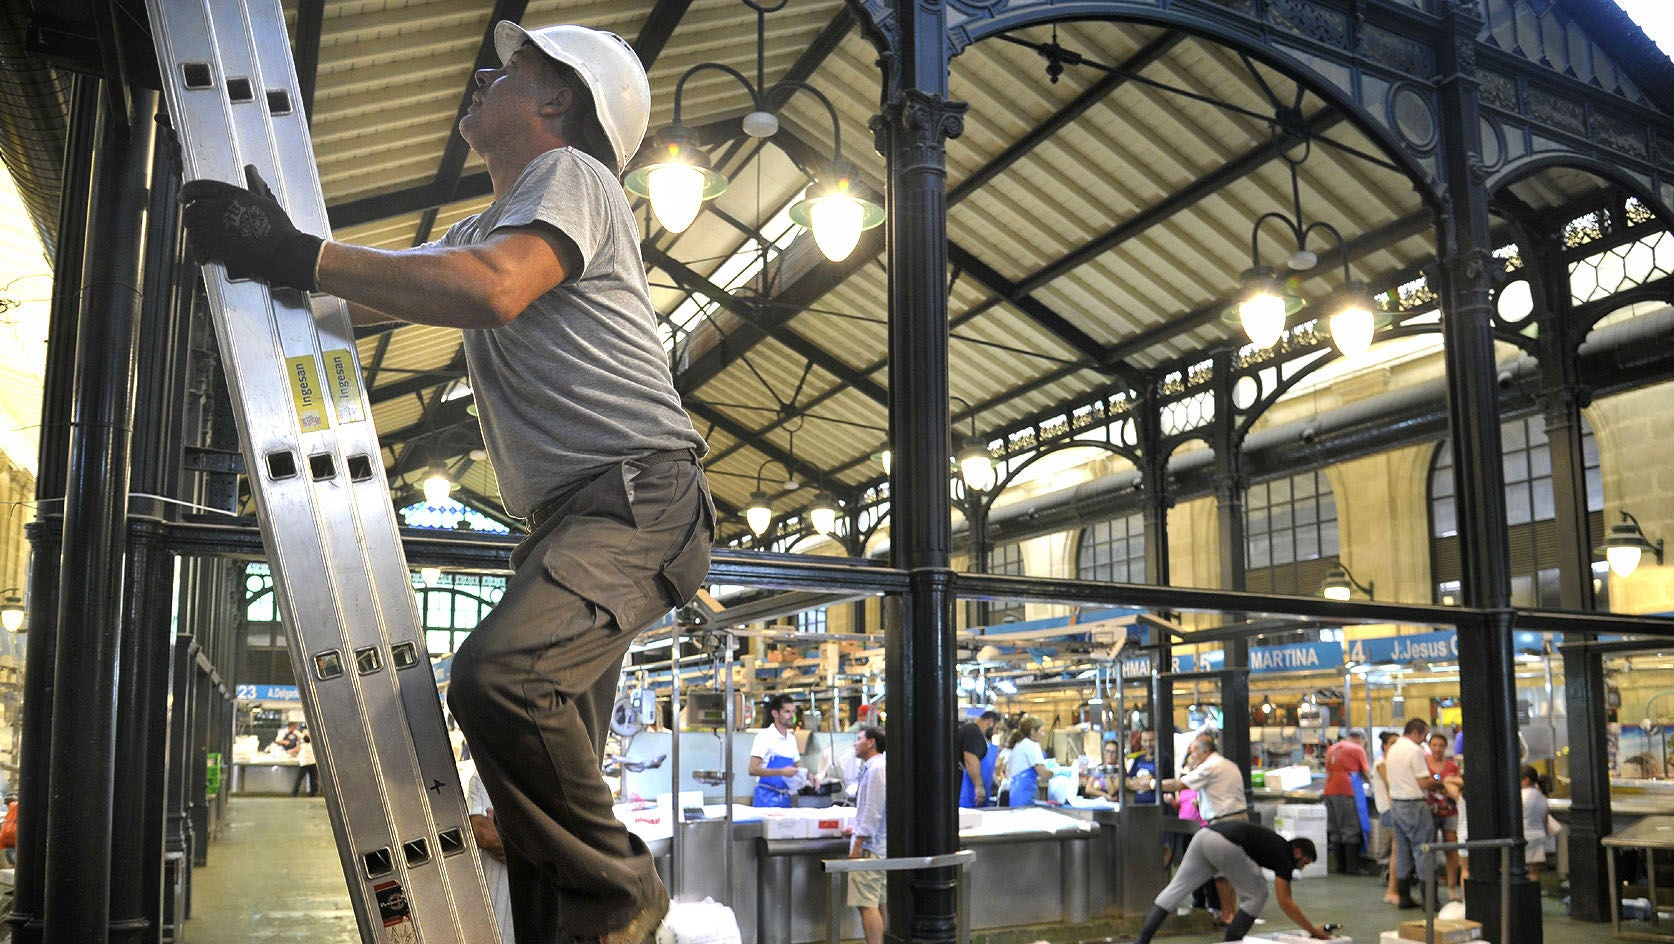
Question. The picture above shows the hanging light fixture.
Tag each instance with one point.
(824, 511)
(976, 466)
(1265, 304)
(437, 484)
(11, 611)
(1626, 545)
(675, 174)
(430, 576)
(1339, 584)
(758, 514)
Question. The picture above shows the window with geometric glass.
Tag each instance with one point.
(1290, 533)
(1112, 550)
(1530, 511)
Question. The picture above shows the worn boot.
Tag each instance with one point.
(1242, 921)
(1403, 890)
(1153, 921)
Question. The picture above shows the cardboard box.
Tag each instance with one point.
(1448, 930)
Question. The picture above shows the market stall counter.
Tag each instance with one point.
(264, 776)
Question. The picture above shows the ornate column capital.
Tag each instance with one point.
(920, 125)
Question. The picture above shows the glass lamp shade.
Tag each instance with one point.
(1624, 559)
(758, 514)
(674, 174)
(676, 195)
(1262, 315)
(1336, 585)
(887, 459)
(1354, 320)
(437, 485)
(823, 514)
(11, 614)
(976, 467)
(837, 211)
(430, 575)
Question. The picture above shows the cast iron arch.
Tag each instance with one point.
(1525, 167)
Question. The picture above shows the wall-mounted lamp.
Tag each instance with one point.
(437, 484)
(1626, 545)
(677, 177)
(11, 610)
(976, 466)
(1264, 305)
(1339, 584)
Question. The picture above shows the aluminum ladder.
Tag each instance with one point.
(327, 519)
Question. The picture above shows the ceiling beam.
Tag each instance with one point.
(1083, 344)
(419, 383)
(1108, 83)
(658, 27)
(775, 328)
(305, 52)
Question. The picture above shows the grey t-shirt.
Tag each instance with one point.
(579, 381)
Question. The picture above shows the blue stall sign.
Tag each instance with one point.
(266, 693)
(1442, 646)
(1296, 657)
(1138, 667)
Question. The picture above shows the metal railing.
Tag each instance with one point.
(836, 869)
(1430, 849)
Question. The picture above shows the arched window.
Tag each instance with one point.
(1112, 550)
(1530, 512)
(1290, 533)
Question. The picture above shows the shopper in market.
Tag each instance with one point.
(976, 759)
(1220, 798)
(1028, 762)
(1443, 807)
(306, 768)
(1386, 836)
(1238, 851)
(1535, 820)
(1104, 782)
(1345, 760)
(1409, 782)
(1141, 779)
(869, 835)
(774, 753)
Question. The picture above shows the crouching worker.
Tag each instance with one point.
(1237, 851)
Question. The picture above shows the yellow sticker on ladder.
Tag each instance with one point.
(306, 394)
(343, 380)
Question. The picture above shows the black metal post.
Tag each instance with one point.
(95, 514)
(982, 547)
(139, 806)
(46, 534)
(917, 119)
(1485, 649)
(1154, 477)
(1563, 396)
(1229, 508)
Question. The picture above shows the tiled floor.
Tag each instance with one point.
(273, 876)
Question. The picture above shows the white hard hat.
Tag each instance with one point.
(609, 66)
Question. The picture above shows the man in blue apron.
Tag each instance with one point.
(774, 754)
(976, 759)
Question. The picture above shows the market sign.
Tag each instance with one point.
(1139, 666)
(1442, 646)
(266, 693)
(1296, 657)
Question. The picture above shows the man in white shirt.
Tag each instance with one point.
(1409, 780)
(870, 838)
(1220, 798)
(774, 753)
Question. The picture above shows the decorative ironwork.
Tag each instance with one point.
(1311, 20)
(1558, 111)
(1637, 212)
(924, 122)
(1398, 52)
(1498, 90)
(1624, 136)
(1584, 229)
(1622, 267)
(1542, 33)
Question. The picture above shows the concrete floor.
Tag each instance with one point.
(273, 876)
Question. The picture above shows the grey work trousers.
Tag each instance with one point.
(533, 684)
(1414, 826)
(1209, 855)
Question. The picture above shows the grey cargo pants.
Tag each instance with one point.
(532, 688)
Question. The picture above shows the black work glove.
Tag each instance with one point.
(249, 233)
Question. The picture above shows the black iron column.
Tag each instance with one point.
(1563, 396)
(975, 506)
(917, 119)
(139, 806)
(95, 515)
(1229, 509)
(46, 534)
(1154, 479)
(1485, 649)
